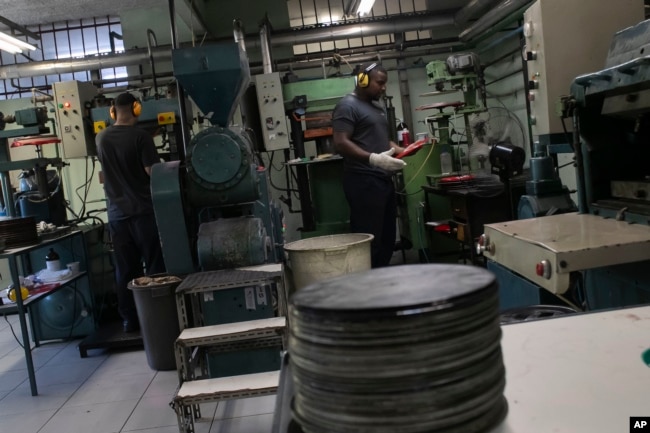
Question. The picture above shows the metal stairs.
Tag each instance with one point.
(195, 385)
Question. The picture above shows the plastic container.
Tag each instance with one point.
(323, 257)
(446, 165)
(156, 306)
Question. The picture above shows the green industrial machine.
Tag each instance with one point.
(213, 208)
(459, 73)
(323, 205)
(462, 72)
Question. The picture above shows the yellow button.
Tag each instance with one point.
(99, 126)
(166, 118)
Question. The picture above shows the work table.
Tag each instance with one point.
(580, 373)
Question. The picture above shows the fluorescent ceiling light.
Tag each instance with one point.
(21, 45)
(9, 47)
(365, 6)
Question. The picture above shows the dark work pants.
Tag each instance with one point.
(135, 240)
(373, 209)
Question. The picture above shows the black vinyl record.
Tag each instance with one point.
(409, 349)
(18, 232)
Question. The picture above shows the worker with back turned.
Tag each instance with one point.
(126, 154)
(361, 136)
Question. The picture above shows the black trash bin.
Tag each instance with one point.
(155, 301)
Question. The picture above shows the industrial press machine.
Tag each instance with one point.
(464, 183)
(292, 117)
(309, 105)
(214, 208)
(595, 258)
(40, 196)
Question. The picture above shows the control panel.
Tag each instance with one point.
(564, 39)
(274, 124)
(73, 116)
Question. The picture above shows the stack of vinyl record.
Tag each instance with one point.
(18, 232)
(405, 349)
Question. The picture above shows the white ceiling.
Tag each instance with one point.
(30, 12)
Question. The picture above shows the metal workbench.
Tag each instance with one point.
(22, 307)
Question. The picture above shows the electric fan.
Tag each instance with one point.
(496, 126)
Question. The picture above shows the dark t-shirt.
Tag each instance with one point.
(368, 128)
(124, 152)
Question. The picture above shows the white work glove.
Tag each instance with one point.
(386, 161)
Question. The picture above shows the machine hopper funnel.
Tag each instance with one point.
(215, 77)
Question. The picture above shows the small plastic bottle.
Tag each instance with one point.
(446, 164)
(401, 126)
(406, 138)
(52, 261)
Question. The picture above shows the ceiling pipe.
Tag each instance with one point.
(495, 16)
(288, 65)
(88, 63)
(265, 44)
(180, 92)
(390, 25)
(238, 34)
(472, 9)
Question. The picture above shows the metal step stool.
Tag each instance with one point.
(192, 393)
(227, 337)
(197, 338)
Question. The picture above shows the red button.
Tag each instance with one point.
(539, 269)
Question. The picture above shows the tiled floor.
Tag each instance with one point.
(107, 392)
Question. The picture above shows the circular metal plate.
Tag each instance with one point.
(412, 349)
(408, 289)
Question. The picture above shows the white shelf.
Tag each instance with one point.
(229, 332)
(227, 388)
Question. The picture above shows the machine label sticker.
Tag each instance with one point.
(249, 294)
(208, 296)
(640, 424)
(261, 295)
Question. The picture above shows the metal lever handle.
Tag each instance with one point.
(629, 67)
(585, 80)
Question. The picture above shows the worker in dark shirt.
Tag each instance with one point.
(126, 154)
(361, 136)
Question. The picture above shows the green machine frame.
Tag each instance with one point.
(323, 205)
